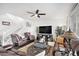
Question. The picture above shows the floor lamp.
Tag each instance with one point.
(69, 35)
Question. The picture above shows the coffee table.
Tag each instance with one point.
(25, 48)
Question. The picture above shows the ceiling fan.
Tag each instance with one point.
(36, 13)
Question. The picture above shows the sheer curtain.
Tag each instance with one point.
(74, 20)
(77, 25)
(74, 23)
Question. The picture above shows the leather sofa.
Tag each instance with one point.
(19, 41)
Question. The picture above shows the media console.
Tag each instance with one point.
(49, 37)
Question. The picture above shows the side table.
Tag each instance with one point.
(50, 48)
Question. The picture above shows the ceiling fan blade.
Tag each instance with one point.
(41, 14)
(38, 16)
(32, 15)
(37, 11)
(30, 12)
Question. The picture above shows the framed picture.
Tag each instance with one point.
(5, 23)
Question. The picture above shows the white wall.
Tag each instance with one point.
(56, 13)
(36, 22)
(16, 23)
(43, 22)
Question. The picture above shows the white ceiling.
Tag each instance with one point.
(52, 10)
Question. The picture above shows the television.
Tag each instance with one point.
(45, 29)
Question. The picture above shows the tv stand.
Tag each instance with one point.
(44, 34)
(48, 36)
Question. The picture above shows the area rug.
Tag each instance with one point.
(32, 50)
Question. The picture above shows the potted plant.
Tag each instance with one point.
(59, 31)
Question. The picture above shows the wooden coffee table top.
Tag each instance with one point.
(24, 48)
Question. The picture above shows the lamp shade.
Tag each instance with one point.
(70, 35)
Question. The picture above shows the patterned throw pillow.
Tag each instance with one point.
(27, 35)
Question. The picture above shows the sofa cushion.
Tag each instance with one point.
(2, 50)
(27, 35)
(9, 46)
(32, 37)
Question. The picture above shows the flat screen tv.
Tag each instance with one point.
(45, 29)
